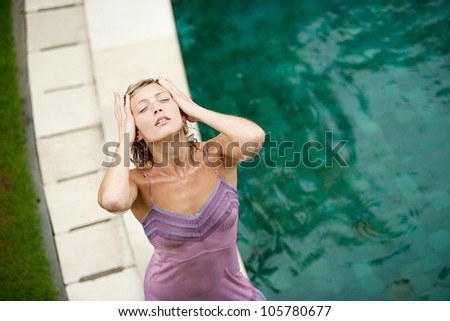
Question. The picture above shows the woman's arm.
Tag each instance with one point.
(117, 192)
(239, 138)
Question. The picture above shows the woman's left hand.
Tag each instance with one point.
(190, 108)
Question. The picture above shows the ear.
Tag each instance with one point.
(183, 115)
(138, 137)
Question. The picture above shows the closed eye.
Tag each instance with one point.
(164, 100)
(143, 109)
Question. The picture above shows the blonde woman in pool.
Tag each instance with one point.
(183, 193)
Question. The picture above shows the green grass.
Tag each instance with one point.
(24, 271)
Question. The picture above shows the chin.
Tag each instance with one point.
(169, 134)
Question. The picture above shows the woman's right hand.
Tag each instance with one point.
(124, 117)
(118, 192)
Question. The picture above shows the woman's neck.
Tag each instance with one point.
(172, 154)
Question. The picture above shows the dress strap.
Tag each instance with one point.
(208, 162)
(149, 185)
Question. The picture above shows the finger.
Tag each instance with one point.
(168, 86)
(121, 105)
(115, 98)
(117, 102)
(162, 81)
(116, 112)
(128, 105)
(174, 87)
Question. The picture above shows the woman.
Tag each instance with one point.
(183, 193)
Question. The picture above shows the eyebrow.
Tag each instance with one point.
(145, 99)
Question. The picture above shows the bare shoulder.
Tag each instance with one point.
(142, 201)
(225, 166)
(135, 174)
(138, 179)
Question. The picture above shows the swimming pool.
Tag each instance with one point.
(361, 212)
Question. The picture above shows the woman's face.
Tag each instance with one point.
(156, 114)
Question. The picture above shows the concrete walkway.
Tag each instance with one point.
(78, 53)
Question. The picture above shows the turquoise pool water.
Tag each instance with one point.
(375, 75)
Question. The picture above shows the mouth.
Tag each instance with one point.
(161, 120)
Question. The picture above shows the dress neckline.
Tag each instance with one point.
(199, 212)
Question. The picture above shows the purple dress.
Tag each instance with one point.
(196, 256)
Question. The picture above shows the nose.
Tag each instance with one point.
(156, 111)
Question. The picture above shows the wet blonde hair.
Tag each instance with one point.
(140, 152)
